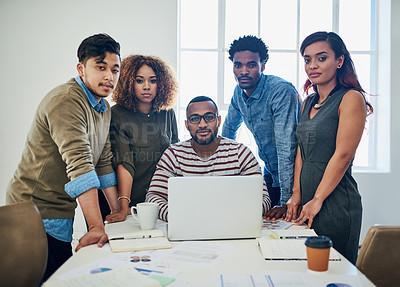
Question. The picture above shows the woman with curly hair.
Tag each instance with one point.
(143, 125)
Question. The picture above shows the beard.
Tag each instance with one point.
(246, 86)
(92, 90)
(205, 141)
(251, 83)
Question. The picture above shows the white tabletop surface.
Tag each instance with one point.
(240, 257)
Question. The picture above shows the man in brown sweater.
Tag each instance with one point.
(67, 154)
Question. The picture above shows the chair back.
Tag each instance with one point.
(23, 244)
(379, 256)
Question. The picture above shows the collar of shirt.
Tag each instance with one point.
(98, 106)
(258, 91)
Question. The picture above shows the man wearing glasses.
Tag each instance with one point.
(204, 154)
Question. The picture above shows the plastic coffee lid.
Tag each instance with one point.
(318, 242)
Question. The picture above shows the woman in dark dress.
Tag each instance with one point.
(325, 194)
(143, 125)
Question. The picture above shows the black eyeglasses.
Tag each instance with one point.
(208, 118)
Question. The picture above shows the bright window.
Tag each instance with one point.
(208, 27)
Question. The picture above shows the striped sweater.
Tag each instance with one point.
(230, 158)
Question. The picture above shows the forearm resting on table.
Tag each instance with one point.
(297, 170)
(125, 182)
(111, 194)
(293, 204)
(89, 202)
(123, 195)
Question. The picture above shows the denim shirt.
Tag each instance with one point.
(271, 114)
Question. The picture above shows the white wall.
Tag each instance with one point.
(38, 47)
(38, 51)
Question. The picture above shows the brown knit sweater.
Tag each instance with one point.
(67, 139)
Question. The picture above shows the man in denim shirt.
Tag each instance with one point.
(270, 108)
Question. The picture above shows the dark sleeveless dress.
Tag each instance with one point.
(341, 212)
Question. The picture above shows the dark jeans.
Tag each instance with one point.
(58, 252)
(274, 192)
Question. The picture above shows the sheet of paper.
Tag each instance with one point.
(197, 253)
(237, 280)
(291, 279)
(117, 277)
(277, 224)
(288, 249)
(97, 266)
(149, 263)
(146, 262)
(285, 279)
(151, 260)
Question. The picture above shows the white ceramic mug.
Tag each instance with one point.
(147, 213)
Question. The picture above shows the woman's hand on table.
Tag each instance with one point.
(293, 207)
(309, 211)
(117, 216)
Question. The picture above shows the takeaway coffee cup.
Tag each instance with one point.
(147, 213)
(318, 248)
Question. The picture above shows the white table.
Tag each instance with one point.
(244, 257)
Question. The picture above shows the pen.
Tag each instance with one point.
(130, 237)
(293, 237)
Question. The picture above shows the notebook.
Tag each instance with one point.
(288, 249)
(214, 207)
(127, 236)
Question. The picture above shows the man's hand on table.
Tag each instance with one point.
(276, 213)
(95, 235)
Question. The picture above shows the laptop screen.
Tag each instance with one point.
(214, 207)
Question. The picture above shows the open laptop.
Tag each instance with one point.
(214, 207)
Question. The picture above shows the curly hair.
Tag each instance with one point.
(167, 85)
(249, 43)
